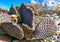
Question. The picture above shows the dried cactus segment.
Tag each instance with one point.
(13, 30)
(28, 32)
(27, 14)
(45, 28)
(5, 18)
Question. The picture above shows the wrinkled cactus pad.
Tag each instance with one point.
(5, 18)
(45, 28)
(13, 30)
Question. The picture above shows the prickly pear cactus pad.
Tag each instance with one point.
(45, 28)
(27, 13)
(13, 30)
(5, 18)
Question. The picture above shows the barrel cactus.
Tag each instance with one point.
(45, 28)
(13, 30)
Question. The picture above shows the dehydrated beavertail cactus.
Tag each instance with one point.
(5, 18)
(13, 30)
(27, 13)
(45, 28)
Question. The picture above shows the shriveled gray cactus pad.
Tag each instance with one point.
(13, 30)
(5, 18)
(45, 28)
